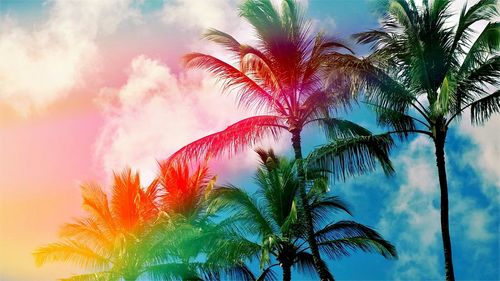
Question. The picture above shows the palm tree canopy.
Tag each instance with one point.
(426, 70)
(283, 75)
(162, 231)
(272, 213)
(106, 239)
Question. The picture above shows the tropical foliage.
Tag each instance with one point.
(425, 72)
(145, 232)
(285, 77)
(271, 220)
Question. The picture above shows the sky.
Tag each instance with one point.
(90, 87)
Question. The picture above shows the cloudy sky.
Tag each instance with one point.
(92, 86)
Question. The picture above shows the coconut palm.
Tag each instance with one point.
(425, 71)
(283, 77)
(272, 215)
(114, 238)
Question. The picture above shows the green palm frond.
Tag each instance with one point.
(482, 109)
(354, 156)
(238, 201)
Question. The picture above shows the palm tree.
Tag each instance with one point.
(272, 215)
(184, 196)
(114, 237)
(284, 76)
(159, 232)
(425, 71)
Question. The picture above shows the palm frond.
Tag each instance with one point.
(336, 128)
(235, 199)
(341, 247)
(98, 276)
(482, 109)
(249, 93)
(339, 237)
(482, 10)
(354, 156)
(267, 275)
(70, 251)
(231, 140)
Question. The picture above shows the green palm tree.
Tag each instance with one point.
(272, 216)
(114, 238)
(424, 72)
(285, 77)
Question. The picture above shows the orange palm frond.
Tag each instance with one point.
(95, 202)
(130, 204)
(231, 140)
(87, 230)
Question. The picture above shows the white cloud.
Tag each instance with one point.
(412, 217)
(42, 64)
(485, 158)
(156, 112)
(412, 209)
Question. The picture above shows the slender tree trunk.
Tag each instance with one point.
(287, 272)
(439, 141)
(323, 273)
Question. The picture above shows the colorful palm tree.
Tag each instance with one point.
(425, 71)
(184, 196)
(114, 238)
(285, 77)
(272, 216)
(162, 232)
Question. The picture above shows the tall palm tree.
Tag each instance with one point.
(425, 71)
(283, 76)
(272, 215)
(114, 237)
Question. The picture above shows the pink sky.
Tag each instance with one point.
(92, 88)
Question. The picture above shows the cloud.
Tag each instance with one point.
(485, 157)
(157, 112)
(412, 217)
(42, 64)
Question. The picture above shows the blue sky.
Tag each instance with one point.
(134, 45)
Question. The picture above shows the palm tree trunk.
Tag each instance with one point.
(323, 273)
(287, 272)
(439, 141)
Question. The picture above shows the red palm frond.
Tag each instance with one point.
(233, 139)
(184, 190)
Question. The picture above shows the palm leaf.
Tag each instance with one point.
(482, 109)
(231, 140)
(354, 156)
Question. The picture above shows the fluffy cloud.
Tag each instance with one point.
(42, 64)
(485, 158)
(412, 214)
(414, 211)
(157, 112)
